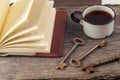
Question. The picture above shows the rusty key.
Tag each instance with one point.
(77, 42)
(76, 62)
(90, 68)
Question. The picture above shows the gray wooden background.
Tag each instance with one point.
(19, 68)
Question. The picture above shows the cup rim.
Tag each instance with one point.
(99, 24)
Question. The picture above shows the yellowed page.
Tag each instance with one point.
(37, 46)
(4, 8)
(47, 28)
(46, 23)
(34, 16)
(44, 18)
(32, 19)
(49, 32)
(20, 35)
(18, 15)
(23, 50)
(44, 44)
(32, 45)
(24, 40)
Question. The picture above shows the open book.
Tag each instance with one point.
(26, 26)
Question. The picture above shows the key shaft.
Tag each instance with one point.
(100, 44)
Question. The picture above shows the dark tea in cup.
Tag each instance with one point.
(98, 17)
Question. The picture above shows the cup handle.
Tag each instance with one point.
(73, 17)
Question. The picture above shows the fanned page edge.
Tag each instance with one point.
(10, 26)
(25, 20)
(4, 9)
(43, 49)
(49, 30)
(47, 50)
(14, 35)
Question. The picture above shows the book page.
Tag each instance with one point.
(23, 40)
(23, 34)
(41, 26)
(32, 19)
(23, 50)
(43, 45)
(49, 32)
(4, 8)
(43, 23)
(46, 22)
(26, 43)
(18, 14)
(49, 13)
(13, 1)
(32, 45)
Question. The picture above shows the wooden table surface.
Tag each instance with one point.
(14, 68)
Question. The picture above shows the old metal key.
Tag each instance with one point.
(76, 62)
(90, 68)
(77, 41)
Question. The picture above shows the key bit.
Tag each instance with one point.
(102, 43)
(62, 66)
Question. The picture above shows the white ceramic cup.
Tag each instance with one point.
(96, 31)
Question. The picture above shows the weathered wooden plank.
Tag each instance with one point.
(71, 3)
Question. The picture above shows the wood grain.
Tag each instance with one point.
(19, 68)
(72, 3)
